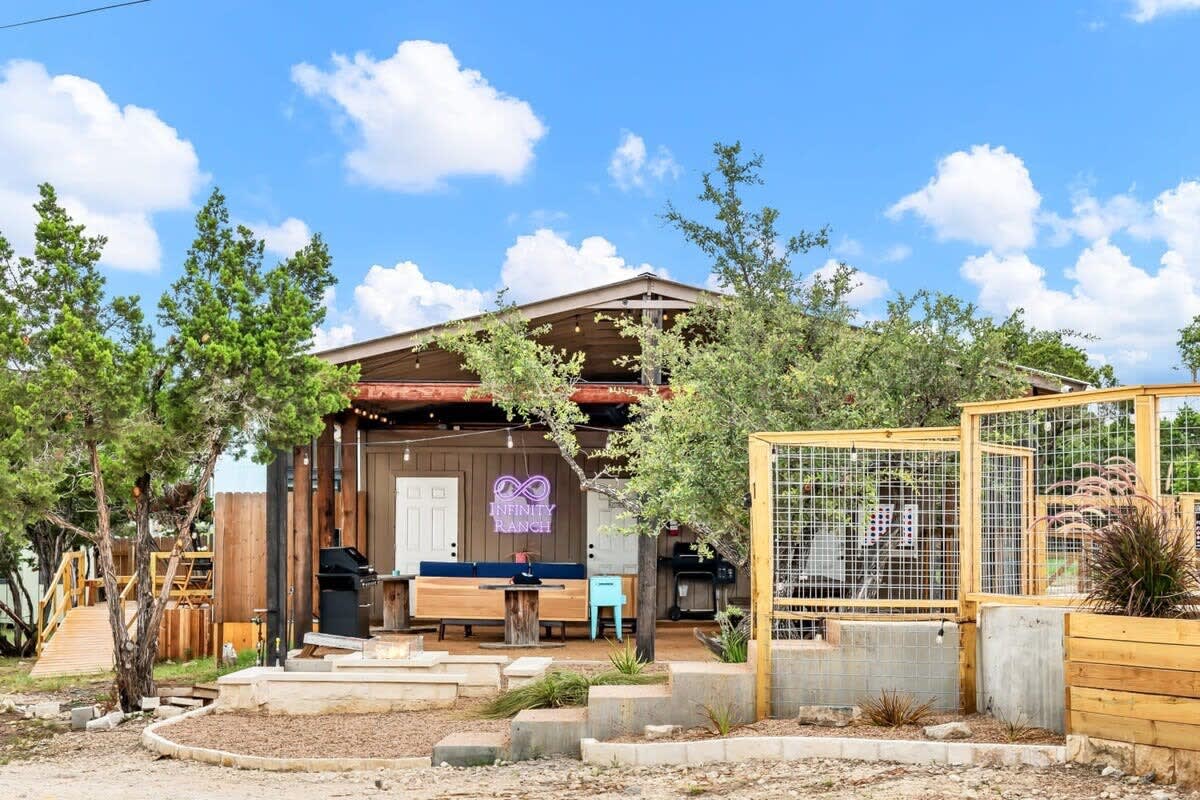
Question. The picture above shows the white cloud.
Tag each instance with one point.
(420, 118)
(114, 167)
(1146, 10)
(285, 238)
(401, 298)
(335, 336)
(1129, 308)
(544, 264)
(984, 196)
(630, 168)
(848, 248)
(1092, 219)
(867, 288)
(896, 253)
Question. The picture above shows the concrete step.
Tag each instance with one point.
(538, 732)
(626, 710)
(526, 669)
(466, 749)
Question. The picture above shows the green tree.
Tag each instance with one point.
(1189, 346)
(1052, 351)
(142, 418)
(775, 351)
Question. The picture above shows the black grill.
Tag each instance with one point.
(686, 562)
(343, 575)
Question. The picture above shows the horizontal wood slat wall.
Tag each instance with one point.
(1134, 680)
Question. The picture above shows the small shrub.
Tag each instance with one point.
(893, 708)
(721, 718)
(734, 636)
(626, 661)
(1016, 728)
(559, 689)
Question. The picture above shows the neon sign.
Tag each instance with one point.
(519, 506)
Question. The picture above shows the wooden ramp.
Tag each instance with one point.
(81, 645)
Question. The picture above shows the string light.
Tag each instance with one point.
(941, 634)
(407, 453)
(577, 328)
(508, 439)
(417, 363)
(853, 452)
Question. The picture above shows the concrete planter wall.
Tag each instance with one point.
(1133, 694)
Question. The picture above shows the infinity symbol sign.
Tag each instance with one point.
(535, 488)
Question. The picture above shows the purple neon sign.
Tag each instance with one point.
(519, 506)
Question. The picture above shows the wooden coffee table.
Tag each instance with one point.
(521, 624)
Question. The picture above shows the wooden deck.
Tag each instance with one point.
(81, 645)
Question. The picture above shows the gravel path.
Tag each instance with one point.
(113, 766)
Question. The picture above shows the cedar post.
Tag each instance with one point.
(277, 533)
(647, 585)
(349, 518)
(326, 463)
(302, 539)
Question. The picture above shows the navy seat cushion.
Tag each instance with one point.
(447, 569)
(498, 569)
(559, 570)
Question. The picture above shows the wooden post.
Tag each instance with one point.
(761, 575)
(969, 552)
(647, 595)
(1146, 450)
(302, 566)
(521, 617)
(647, 577)
(395, 603)
(324, 521)
(277, 533)
(349, 517)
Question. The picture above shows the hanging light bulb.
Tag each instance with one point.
(941, 634)
(407, 454)
(417, 363)
(577, 328)
(431, 415)
(305, 458)
(853, 453)
(508, 439)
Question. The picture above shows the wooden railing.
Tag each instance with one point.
(71, 588)
(67, 590)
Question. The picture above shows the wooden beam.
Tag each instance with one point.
(277, 535)
(969, 550)
(302, 539)
(409, 392)
(761, 574)
(324, 521)
(348, 521)
(642, 305)
(1146, 451)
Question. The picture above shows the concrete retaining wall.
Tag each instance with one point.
(1020, 664)
(858, 659)
(271, 690)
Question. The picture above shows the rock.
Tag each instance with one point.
(948, 730)
(166, 712)
(1111, 772)
(116, 717)
(653, 732)
(187, 702)
(7, 706)
(81, 716)
(151, 703)
(828, 716)
(1160, 794)
(46, 710)
(101, 724)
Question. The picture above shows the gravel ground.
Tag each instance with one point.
(983, 729)
(394, 735)
(113, 766)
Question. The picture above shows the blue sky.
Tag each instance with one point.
(1035, 154)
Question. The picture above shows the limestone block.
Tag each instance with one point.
(828, 716)
(547, 731)
(151, 703)
(1118, 755)
(48, 710)
(661, 753)
(860, 749)
(470, 749)
(81, 716)
(1079, 749)
(948, 730)
(1187, 769)
(912, 752)
(653, 732)
(705, 752)
(166, 712)
(799, 747)
(745, 748)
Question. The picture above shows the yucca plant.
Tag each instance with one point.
(1137, 559)
(892, 708)
(721, 717)
(626, 660)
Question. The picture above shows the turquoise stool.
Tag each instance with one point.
(605, 591)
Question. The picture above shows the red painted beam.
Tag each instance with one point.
(398, 392)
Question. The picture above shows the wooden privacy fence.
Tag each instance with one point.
(1136, 681)
(185, 634)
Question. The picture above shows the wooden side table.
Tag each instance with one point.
(395, 603)
(521, 628)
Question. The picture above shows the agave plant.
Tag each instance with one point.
(1138, 560)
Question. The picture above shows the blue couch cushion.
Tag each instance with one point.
(448, 569)
(559, 570)
(498, 569)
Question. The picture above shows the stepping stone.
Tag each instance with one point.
(467, 749)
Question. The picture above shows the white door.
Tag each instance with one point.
(426, 522)
(609, 551)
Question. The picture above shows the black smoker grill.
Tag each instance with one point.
(343, 574)
(687, 563)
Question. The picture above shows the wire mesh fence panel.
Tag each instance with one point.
(865, 563)
(1030, 462)
(1179, 461)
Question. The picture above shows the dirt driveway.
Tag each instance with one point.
(113, 766)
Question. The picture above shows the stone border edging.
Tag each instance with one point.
(788, 748)
(154, 741)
